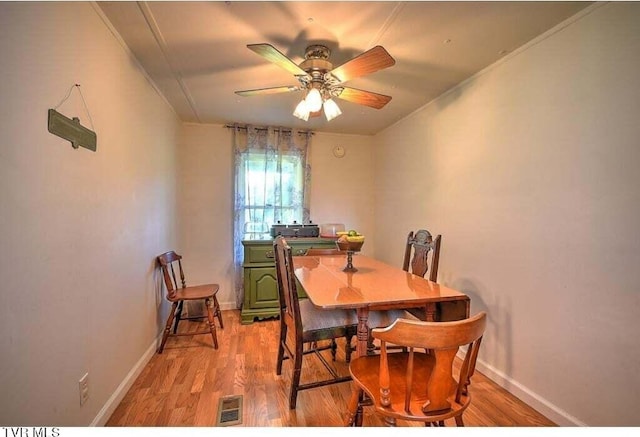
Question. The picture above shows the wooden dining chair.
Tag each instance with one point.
(421, 255)
(414, 385)
(301, 322)
(416, 256)
(178, 293)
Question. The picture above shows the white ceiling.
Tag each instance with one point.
(196, 52)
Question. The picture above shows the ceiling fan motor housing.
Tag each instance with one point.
(316, 61)
(316, 65)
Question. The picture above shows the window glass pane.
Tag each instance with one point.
(273, 187)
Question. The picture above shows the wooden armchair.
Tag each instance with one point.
(413, 385)
(177, 295)
(305, 324)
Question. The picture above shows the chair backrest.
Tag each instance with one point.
(287, 290)
(442, 339)
(314, 251)
(166, 261)
(421, 243)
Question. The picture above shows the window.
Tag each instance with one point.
(272, 176)
(273, 190)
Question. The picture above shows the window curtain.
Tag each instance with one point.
(272, 174)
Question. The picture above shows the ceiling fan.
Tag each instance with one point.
(322, 82)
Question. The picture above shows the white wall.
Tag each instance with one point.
(205, 202)
(341, 191)
(530, 172)
(79, 230)
(342, 188)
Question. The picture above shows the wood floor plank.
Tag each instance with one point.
(183, 386)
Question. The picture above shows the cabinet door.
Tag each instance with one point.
(263, 287)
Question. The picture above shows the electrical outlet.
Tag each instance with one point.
(84, 388)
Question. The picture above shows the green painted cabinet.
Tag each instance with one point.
(260, 283)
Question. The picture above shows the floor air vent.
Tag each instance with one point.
(229, 411)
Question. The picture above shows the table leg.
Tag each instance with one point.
(363, 332)
(431, 312)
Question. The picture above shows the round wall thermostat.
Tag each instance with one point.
(338, 151)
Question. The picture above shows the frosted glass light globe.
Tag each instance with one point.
(314, 100)
(331, 109)
(302, 111)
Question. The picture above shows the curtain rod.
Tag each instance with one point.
(280, 129)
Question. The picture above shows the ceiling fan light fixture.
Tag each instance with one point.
(331, 109)
(314, 100)
(321, 81)
(302, 110)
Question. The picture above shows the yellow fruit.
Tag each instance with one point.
(355, 238)
(339, 233)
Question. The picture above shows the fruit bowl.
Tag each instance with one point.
(350, 242)
(353, 246)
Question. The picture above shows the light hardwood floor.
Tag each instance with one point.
(183, 386)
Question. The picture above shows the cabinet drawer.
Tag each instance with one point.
(264, 254)
(258, 254)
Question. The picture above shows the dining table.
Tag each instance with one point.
(375, 285)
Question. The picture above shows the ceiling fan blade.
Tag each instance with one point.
(365, 63)
(271, 54)
(366, 98)
(263, 91)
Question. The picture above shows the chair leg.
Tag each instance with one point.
(334, 348)
(295, 377)
(352, 407)
(178, 316)
(283, 339)
(212, 325)
(371, 348)
(347, 348)
(218, 313)
(459, 421)
(167, 328)
(360, 413)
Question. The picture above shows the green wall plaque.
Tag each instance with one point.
(72, 130)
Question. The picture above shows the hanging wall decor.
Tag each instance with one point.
(70, 128)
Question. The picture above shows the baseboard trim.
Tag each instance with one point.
(112, 403)
(543, 406)
(228, 306)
